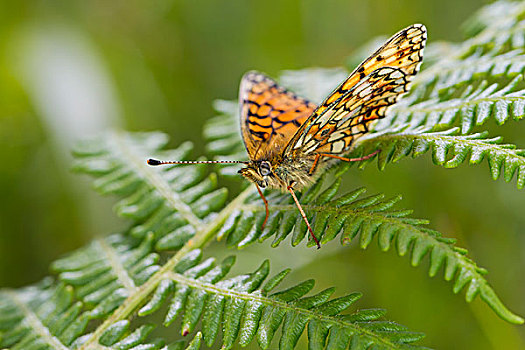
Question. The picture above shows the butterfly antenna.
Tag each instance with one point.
(155, 162)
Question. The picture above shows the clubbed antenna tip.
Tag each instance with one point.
(152, 161)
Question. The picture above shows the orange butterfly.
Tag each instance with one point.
(290, 141)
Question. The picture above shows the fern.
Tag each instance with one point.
(450, 150)
(497, 27)
(173, 203)
(473, 108)
(103, 295)
(107, 271)
(249, 309)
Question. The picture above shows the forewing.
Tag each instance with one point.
(363, 97)
(270, 115)
(350, 116)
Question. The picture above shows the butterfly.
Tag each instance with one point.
(290, 141)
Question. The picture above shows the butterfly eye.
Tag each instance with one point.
(265, 168)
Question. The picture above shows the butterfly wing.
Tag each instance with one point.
(270, 115)
(363, 97)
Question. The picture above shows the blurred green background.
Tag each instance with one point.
(72, 69)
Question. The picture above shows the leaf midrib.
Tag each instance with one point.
(116, 266)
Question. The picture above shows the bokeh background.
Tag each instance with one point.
(72, 69)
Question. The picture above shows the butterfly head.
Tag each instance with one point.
(258, 172)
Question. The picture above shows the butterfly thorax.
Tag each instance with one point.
(283, 172)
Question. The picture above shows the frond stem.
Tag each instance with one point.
(116, 265)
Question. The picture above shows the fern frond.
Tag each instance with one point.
(498, 27)
(463, 92)
(173, 202)
(247, 309)
(450, 149)
(243, 307)
(449, 77)
(48, 316)
(474, 107)
(240, 223)
(195, 344)
(350, 216)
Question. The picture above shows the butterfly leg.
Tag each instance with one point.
(290, 188)
(368, 156)
(265, 206)
(317, 156)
